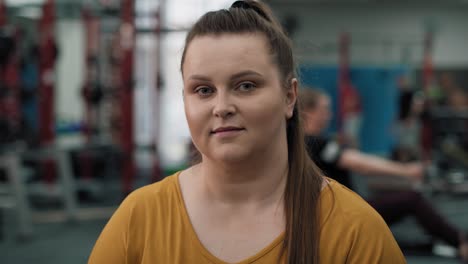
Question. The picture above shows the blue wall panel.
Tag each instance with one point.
(377, 87)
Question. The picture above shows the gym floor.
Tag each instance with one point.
(71, 243)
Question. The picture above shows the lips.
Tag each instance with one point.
(226, 129)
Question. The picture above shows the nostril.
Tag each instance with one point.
(224, 114)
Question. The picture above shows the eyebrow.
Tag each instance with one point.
(235, 76)
(245, 73)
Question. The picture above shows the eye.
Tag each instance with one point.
(246, 87)
(204, 91)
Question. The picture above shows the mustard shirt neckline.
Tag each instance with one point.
(194, 237)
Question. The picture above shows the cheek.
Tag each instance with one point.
(313, 119)
(194, 114)
(267, 112)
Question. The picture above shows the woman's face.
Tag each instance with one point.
(235, 105)
(317, 119)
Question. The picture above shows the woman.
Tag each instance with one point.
(255, 196)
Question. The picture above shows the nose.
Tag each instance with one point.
(224, 106)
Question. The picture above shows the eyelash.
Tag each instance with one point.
(251, 85)
(199, 90)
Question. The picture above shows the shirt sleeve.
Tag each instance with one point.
(112, 244)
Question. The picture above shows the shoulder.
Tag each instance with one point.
(168, 184)
(143, 213)
(354, 227)
(153, 197)
(149, 207)
(343, 203)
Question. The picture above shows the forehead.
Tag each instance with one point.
(227, 51)
(323, 103)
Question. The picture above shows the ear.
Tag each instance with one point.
(291, 98)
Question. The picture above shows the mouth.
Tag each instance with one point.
(222, 130)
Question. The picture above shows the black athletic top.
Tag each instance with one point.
(326, 153)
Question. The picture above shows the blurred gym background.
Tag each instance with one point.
(91, 106)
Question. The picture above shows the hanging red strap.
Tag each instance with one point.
(12, 82)
(428, 78)
(127, 42)
(91, 37)
(349, 105)
(10, 79)
(3, 12)
(347, 93)
(86, 90)
(343, 77)
(428, 69)
(3, 21)
(47, 56)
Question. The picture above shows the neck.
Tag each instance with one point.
(258, 182)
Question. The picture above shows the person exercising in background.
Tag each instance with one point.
(338, 162)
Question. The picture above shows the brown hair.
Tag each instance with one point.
(301, 241)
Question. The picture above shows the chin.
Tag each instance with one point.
(230, 155)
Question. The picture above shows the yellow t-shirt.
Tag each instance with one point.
(152, 226)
